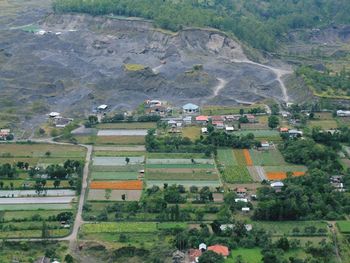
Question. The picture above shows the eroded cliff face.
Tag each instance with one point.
(78, 61)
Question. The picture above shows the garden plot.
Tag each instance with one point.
(34, 206)
(181, 166)
(37, 200)
(226, 157)
(114, 195)
(280, 172)
(266, 134)
(122, 132)
(120, 227)
(180, 161)
(270, 157)
(236, 174)
(109, 168)
(22, 193)
(139, 148)
(117, 161)
(193, 175)
(187, 184)
(114, 175)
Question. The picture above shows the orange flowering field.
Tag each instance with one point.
(247, 157)
(281, 175)
(117, 185)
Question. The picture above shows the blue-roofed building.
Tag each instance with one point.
(190, 108)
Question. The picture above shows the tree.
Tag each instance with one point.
(56, 183)
(68, 259)
(1, 184)
(41, 131)
(127, 160)
(273, 121)
(44, 231)
(48, 154)
(241, 111)
(108, 193)
(211, 257)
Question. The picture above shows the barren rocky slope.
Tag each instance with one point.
(80, 61)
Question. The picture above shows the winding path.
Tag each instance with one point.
(277, 71)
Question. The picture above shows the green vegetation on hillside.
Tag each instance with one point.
(327, 83)
(259, 23)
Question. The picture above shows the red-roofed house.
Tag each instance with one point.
(218, 124)
(282, 129)
(194, 254)
(251, 118)
(217, 118)
(202, 119)
(221, 250)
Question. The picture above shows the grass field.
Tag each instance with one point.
(114, 175)
(344, 226)
(262, 134)
(271, 157)
(128, 125)
(14, 207)
(120, 140)
(324, 124)
(120, 227)
(125, 168)
(33, 233)
(170, 225)
(176, 155)
(193, 132)
(195, 176)
(236, 174)
(45, 214)
(251, 255)
(117, 154)
(286, 227)
(39, 150)
(185, 166)
(226, 157)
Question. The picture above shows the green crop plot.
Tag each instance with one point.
(120, 227)
(185, 166)
(267, 158)
(236, 174)
(226, 157)
(114, 175)
(344, 226)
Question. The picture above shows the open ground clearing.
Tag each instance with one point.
(344, 226)
(193, 132)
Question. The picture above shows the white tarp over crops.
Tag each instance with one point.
(19, 193)
(180, 161)
(118, 161)
(122, 132)
(37, 200)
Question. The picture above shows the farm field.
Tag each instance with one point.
(270, 157)
(24, 207)
(29, 214)
(120, 227)
(117, 185)
(324, 124)
(286, 227)
(187, 183)
(117, 161)
(179, 165)
(114, 195)
(191, 176)
(117, 154)
(344, 226)
(109, 168)
(262, 134)
(122, 132)
(120, 140)
(128, 125)
(180, 161)
(236, 174)
(33, 233)
(152, 155)
(114, 175)
(191, 132)
(239, 156)
(251, 255)
(281, 175)
(226, 157)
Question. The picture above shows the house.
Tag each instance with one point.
(241, 191)
(277, 185)
(251, 118)
(225, 227)
(202, 119)
(285, 114)
(157, 110)
(343, 113)
(187, 120)
(283, 129)
(204, 130)
(219, 124)
(190, 108)
(217, 118)
(245, 200)
(219, 249)
(232, 117)
(102, 107)
(336, 179)
(202, 247)
(245, 209)
(4, 133)
(264, 145)
(61, 122)
(295, 133)
(54, 114)
(153, 103)
(229, 129)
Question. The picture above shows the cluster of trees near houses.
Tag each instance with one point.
(259, 24)
(205, 144)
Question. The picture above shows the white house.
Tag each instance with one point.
(229, 129)
(245, 209)
(190, 108)
(295, 133)
(54, 114)
(343, 113)
(187, 120)
(277, 185)
(102, 107)
(245, 200)
(204, 130)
